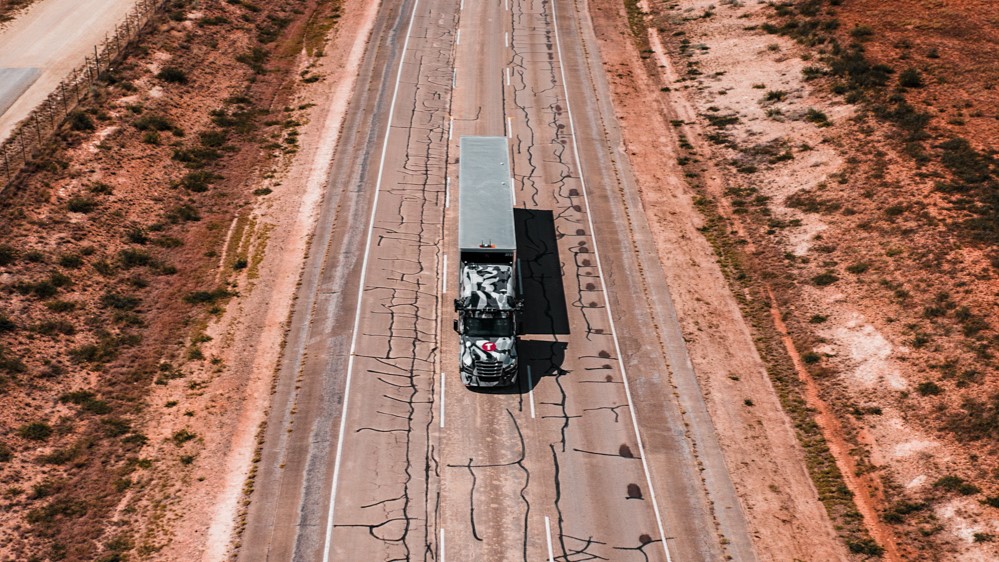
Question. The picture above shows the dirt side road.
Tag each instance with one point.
(53, 36)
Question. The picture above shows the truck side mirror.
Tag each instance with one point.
(457, 327)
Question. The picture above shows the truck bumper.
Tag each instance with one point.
(470, 378)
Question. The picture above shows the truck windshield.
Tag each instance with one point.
(489, 327)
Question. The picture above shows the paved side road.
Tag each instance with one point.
(53, 37)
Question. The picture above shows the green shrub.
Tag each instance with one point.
(910, 78)
(133, 257)
(70, 261)
(172, 75)
(182, 436)
(858, 268)
(198, 181)
(36, 431)
(775, 95)
(153, 122)
(81, 204)
(818, 117)
(183, 213)
(8, 254)
(957, 484)
(928, 388)
(80, 121)
(206, 297)
(824, 279)
(6, 324)
(118, 301)
(861, 32)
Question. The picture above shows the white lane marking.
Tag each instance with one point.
(509, 129)
(507, 75)
(447, 190)
(530, 388)
(442, 425)
(360, 293)
(603, 288)
(506, 39)
(462, 7)
(454, 77)
(548, 534)
(444, 277)
(442, 546)
(457, 39)
(506, 5)
(450, 129)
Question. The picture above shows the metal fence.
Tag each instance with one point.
(31, 133)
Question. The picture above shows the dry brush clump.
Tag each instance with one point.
(908, 222)
(110, 250)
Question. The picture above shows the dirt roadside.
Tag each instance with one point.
(839, 189)
(764, 458)
(149, 257)
(249, 338)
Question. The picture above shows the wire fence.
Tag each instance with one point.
(31, 133)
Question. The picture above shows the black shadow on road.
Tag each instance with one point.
(545, 311)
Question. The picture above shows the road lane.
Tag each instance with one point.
(382, 467)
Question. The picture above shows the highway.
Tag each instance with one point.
(373, 449)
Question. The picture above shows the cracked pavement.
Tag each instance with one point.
(552, 468)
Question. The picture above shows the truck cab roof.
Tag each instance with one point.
(487, 287)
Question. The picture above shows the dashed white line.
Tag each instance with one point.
(530, 389)
(442, 425)
(450, 129)
(603, 288)
(509, 128)
(507, 75)
(360, 294)
(447, 189)
(506, 38)
(454, 77)
(442, 546)
(548, 535)
(457, 38)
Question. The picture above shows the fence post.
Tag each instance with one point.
(6, 163)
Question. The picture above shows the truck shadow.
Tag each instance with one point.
(538, 359)
(545, 311)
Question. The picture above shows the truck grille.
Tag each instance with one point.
(489, 369)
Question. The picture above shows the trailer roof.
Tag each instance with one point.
(485, 202)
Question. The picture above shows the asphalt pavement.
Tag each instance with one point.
(373, 449)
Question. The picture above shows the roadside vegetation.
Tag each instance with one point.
(910, 225)
(110, 271)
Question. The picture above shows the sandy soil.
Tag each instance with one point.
(248, 338)
(159, 198)
(838, 195)
(764, 458)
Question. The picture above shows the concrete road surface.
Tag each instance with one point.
(373, 449)
(52, 36)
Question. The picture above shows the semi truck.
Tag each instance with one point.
(489, 301)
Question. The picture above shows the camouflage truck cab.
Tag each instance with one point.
(488, 302)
